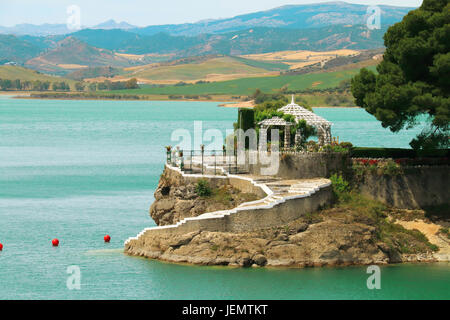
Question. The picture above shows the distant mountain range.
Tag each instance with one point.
(290, 16)
(316, 27)
(48, 29)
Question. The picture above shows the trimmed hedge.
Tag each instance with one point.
(365, 152)
(246, 118)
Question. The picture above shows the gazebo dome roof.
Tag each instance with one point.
(301, 113)
(275, 121)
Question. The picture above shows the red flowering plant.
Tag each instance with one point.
(383, 166)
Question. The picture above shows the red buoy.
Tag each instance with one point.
(55, 242)
(1, 247)
(107, 238)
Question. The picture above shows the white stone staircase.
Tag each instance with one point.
(277, 192)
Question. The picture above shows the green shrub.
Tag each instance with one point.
(445, 231)
(365, 152)
(346, 145)
(202, 188)
(312, 146)
(340, 186)
(333, 148)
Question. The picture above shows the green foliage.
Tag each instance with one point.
(445, 231)
(333, 148)
(60, 86)
(301, 101)
(261, 97)
(338, 100)
(340, 187)
(395, 235)
(312, 146)
(202, 188)
(375, 213)
(306, 131)
(79, 86)
(367, 152)
(429, 140)
(346, 145)
(390, 168)
(413, 76)
(35, 85)
(118, 85)
(246, 118)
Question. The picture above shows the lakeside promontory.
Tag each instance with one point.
(347, 228)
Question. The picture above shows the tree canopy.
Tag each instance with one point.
(414, 76)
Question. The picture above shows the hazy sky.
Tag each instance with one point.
(147, 12)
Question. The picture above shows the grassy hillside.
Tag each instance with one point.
(247, 86)
(215, 69)
(25, 74)
(72, 54)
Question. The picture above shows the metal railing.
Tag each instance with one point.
(203, 161)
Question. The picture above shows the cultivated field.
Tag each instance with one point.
(214, 69)
(247, 86)
(301, 58)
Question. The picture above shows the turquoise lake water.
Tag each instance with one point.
(77, 170)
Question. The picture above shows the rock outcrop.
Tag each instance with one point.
(176, 199)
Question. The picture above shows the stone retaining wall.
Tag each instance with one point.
(307, 165)
(417, 187)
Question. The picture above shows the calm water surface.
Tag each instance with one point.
(77, 170)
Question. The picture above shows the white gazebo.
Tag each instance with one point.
(322, 125)
(275, 121)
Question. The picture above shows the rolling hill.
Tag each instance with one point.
(71, 54)
(25, 74)
(247, 86)
(209, 69)
(221, 68)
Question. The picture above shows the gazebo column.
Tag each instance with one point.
(263, 138)
(328, 135)
(298, 138)
(287, 136)
(321, 136)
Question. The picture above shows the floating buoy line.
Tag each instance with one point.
(55, 242)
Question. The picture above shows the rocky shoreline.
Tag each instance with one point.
(332, 237)
(299, 244)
